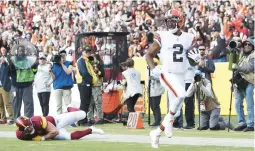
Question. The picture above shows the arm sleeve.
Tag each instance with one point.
(207, 89)
(157, 38)
(190, 90)
(249, 67)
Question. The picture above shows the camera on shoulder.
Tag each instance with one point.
(56, 59)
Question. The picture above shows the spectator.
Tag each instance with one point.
(206, 65)
(22, 76)
(218, 48)
(42, 83)
(156, 90)
(5, 87)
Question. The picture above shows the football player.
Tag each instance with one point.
(40, 128)
(172, 46)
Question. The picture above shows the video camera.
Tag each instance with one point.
(56, 59)
(234, 44)
(198, 76)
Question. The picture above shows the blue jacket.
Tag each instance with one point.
(83, 73)
(4, 76)
(62, 80)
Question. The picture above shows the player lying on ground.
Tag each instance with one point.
(173, 46)
(40, 128)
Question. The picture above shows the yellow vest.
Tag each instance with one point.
(90, 70)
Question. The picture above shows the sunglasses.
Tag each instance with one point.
(247, 44)
(202, 49)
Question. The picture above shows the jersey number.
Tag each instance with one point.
(179, 51)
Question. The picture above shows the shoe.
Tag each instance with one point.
(154, 124)
(188, 127)
(11, 122)
(91, 122)
(240, 128)
(248, 129)
(3, 122)
(74, 125)
(154, 139)
(99, 122)
(169, 129)
(96, 130)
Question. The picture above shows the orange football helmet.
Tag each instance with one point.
(174, 20)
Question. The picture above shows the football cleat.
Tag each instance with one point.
(154, 135)
(96, 130)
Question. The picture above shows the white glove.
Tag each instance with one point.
(156, 72)
(194, 54)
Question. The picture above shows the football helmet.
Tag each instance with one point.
(22, 123)
(174, 20)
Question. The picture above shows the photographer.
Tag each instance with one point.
(96, 101)
(244, 85)
(62, 81)
(209, 105)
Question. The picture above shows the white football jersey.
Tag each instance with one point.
(173, 50)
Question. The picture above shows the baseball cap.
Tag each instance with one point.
(42, 56)
(250, 40)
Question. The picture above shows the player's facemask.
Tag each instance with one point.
(29, 130)
(172, 24)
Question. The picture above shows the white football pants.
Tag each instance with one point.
(67, 119)
(175, 86)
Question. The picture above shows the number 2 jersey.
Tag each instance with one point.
(173, 50)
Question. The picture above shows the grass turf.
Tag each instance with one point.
(16, 145)
(120, 129)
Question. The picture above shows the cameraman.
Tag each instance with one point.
(62, 81)
(244, 81)
(96, 100)
(209, 105)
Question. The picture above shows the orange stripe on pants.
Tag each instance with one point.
(168, 85)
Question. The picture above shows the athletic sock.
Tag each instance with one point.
(79, 134)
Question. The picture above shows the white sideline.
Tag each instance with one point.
(194, 141)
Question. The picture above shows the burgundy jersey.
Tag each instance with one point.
(39, 123)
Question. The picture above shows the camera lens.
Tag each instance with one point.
(198, 78)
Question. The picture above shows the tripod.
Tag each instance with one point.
(149, 100)
(232, 85)
(198, 101)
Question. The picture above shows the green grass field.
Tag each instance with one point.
(16, 145)
(12, 144)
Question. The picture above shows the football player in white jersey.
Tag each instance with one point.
(172, 46)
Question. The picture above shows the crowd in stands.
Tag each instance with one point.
(52, 26)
